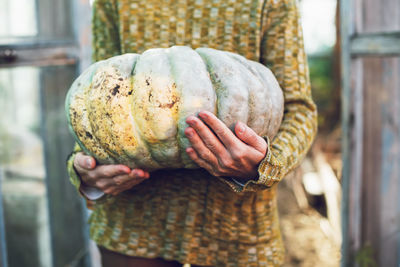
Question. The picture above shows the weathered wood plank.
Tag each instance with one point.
(371, 158)
(379, 34)
(347, 125)
(376, 44)
(357, 150)
(380, 16)
(3, 248)
(389, 204)
(371, 136)
(381, 158)
(67, 220)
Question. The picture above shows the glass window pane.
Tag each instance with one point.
(21, 149)
(18, 18)
(27, 21)
(23, 168)
(34, 143)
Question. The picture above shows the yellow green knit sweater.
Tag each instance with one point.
(189, 215)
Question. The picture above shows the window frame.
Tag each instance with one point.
(62, 41)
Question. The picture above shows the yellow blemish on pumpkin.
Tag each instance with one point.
(81, 125)
(99, 111)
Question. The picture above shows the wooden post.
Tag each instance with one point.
(68, 216)
(3, 249)
(371, 131)
(65, 209)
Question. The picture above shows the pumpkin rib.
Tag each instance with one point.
(181, 157)
(138, 152)
(276, 110)
(118, 111)
(134, 146)
(71, 112)
(269, 103)
(135, 116)
(257, 90)
(195, 96)
(78, 108)
(231, 97)
(155, 107)
(97, 101)
(144, 160)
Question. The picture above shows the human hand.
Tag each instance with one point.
(111, 179)
(224, 153)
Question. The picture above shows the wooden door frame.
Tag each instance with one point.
(354, 46)
(3, 246)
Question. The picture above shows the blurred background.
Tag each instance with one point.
(44, 44)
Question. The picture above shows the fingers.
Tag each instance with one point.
(120, 183)
(224, 153)
(91, 177)
(127, 181)
(109, 171)
(134, 174)
(200, 132)
(220, 129)
(202, 150)
(199, 161)
(128, 185)
(111, 179)
(251, 138)
(139, 173)
(104, 184)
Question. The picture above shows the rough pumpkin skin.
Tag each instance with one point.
(131, 109)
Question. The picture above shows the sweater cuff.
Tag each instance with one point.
(91, 193)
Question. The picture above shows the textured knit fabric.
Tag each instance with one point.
(189, 215)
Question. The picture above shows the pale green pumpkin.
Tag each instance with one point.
(131, 109)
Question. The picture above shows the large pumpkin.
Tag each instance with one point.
(131, 109)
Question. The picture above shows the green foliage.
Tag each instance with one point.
(324, 91)
(364, 257)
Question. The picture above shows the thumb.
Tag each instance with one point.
(85, 162)
(251, 138)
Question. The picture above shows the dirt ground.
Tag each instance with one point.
(304, 233)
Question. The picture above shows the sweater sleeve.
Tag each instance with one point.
(282, 51)
(105, 30)
(105, 44)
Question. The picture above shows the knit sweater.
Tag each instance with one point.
(189, 215)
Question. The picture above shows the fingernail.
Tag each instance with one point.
(189, 119)
(241, 127)
(189, 133)
(137, 173)
(89, 163)
(191, 122)
(203, 115)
